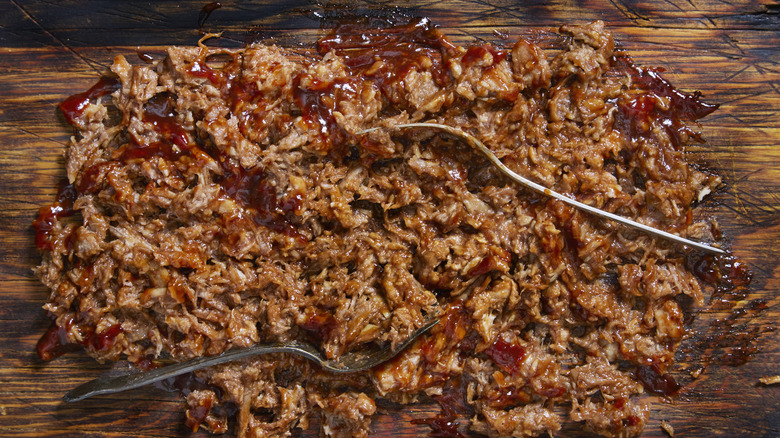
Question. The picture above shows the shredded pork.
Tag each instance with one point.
(222, 198)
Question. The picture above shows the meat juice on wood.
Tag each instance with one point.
(235, 203)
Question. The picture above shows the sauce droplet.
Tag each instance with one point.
(144, 56)
(205, 12)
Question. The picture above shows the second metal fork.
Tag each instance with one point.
(351, 362)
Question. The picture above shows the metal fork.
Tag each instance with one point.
(351, 362)
(474, 142)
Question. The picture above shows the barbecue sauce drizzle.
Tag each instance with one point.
(636, 115)
(417, 45)
(73, 107)
(402, 48)
(49, 215)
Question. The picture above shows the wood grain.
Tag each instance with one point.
(49, 50)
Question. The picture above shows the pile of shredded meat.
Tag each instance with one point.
(220, 198)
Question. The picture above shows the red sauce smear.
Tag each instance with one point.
(200, 69)
(493, 262)
(656, 382)
(100, 341)
(160, 113)
(320, 324)
(729, 340)
(49, 215)
(74, 106)
(631, 420)
(453, 406)
(636, 114)
(251, 189)
(508, 356)
(92, 178)
(476, 53)
(54, 342)
(400, 48)
(454, 329)
(317, 102)
(146, 363)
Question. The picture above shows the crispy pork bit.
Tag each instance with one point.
(221, 198)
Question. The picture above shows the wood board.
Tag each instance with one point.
(48, 51)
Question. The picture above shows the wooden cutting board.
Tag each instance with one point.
(50, 50)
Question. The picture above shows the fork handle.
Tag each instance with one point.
(111, 385)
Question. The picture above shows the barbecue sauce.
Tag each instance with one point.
(498, 261)
(318, 101)
(48, 216)
(54, 342)
(636, 114)
(725, 273)
(74, 106)
(160, 113)
(454, 407)
(387, 55)
(475, 53)
(507, 355)
(729, 340)
(656, 382)
(103, 340)
(205, 12)
(320, 325)
(253, 190)
(200, 69)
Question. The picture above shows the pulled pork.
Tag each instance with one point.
(221, 198)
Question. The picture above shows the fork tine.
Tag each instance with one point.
(361, 360)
